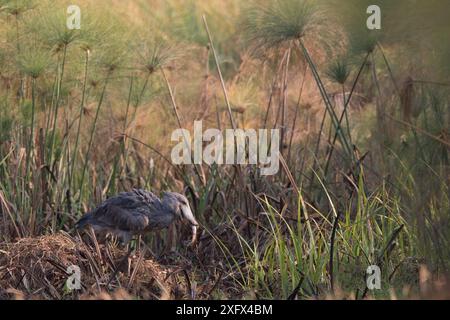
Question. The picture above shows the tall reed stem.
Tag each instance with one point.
(222, 82)
(326, 100)
(33, 115)
(345, 110)
(284, 102)
(80, 116)
(56, 105)
(91, 138)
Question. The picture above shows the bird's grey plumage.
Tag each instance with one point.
(137, 212)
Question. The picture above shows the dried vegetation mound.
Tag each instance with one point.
(40, 268)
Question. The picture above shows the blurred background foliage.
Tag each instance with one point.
(365, 119)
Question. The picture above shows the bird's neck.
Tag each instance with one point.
(169, 208)
(163, 216)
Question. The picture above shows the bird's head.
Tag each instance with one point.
(180, 206)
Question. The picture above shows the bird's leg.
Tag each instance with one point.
(138, 243)
(130, 250)
(125, 238)
(133, 245)
(146, 247)
(120, 265)
(171, 239)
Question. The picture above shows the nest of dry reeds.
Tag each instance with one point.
(37, 268)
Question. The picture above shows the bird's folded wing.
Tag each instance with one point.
(137, 199)
(123, 219)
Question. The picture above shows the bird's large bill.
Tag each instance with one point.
(194, 234)
(188, 215)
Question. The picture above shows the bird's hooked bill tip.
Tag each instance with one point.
(194, 235)
(189, 216)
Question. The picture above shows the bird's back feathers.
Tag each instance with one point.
(133, 211)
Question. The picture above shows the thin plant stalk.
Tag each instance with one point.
(18, 52)
(177, 115)
(91, 138)
(391, 73)
(33, 112)
(346, 115)
(49, 113)
(326, 100)
(222, 82)
(125, 121)
(348, 99)
(136, 105)
(56, 105)
(80, 116)
(332, 245)
(284, 102)
(316, 149)
(296, 112)
(269, 104)
(380, 108)
(123, 145)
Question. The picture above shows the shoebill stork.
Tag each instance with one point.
(137, 212)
